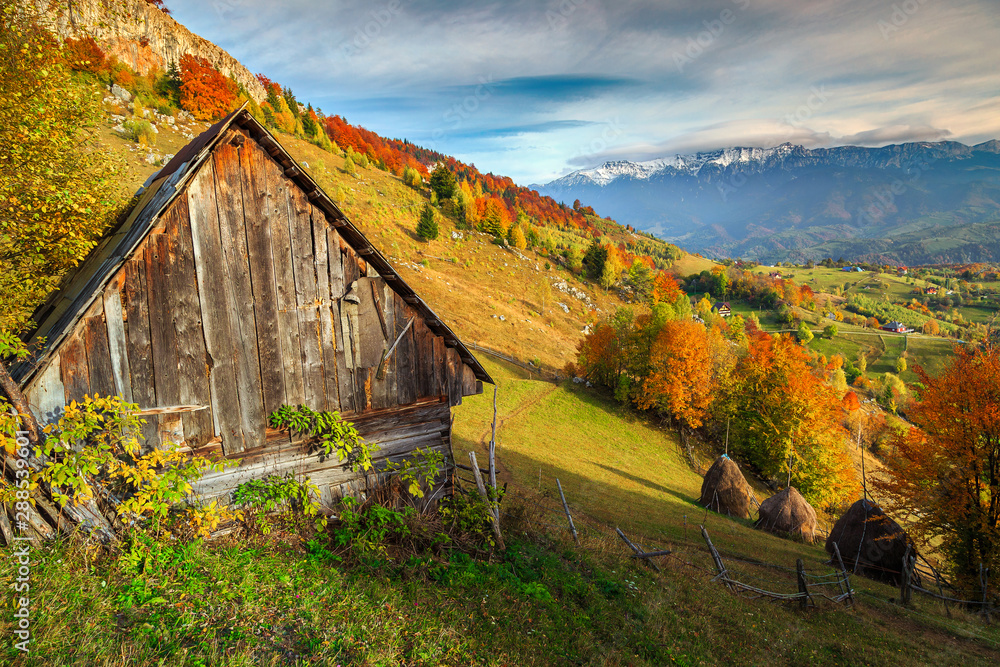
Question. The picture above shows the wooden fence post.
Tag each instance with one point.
(843, 570)
(572, 528)
(639, 553)
(984, 582)
(937, 580)
(904, 578)
(800, 571)
(715, 557)
(494, 513)
(493, 444)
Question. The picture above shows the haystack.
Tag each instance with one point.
(870, 543)
(788, 513)
(725, 490)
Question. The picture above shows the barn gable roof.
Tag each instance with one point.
(57, 317)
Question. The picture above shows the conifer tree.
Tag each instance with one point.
(443, 183)
(427, 228)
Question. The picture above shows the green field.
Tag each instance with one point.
(282, 600)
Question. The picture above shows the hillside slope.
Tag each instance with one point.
(469, 281)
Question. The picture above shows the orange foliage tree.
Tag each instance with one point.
(945, 471)
(204, 91)
(84, 55)
(680, 380)
(783, 415)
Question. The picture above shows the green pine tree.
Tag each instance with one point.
(427, 228)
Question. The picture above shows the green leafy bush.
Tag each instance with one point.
(333, 435)
(285, 496)
(140, 131)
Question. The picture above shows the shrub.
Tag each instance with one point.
(286, 496)
(830, 330)
(140, 131)
(333, 435)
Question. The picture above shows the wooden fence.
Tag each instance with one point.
(543, 373)
(805, 588)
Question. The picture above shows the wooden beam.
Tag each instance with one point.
(173, 409)
(411, 299)
(314, 195)
(292, 171)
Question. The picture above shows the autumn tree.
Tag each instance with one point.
(680, 381)
(57, 186)
(412, 178)
(515, 237)
(804, 334)
(945, 471)
(205, 92)
(782, 414)
(612, 270)
(495, 219)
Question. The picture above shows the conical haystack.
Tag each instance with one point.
(725, 490)
(870, 543)
(788, 513)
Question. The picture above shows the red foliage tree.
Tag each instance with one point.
(205, 92)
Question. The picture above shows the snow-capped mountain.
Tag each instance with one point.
(679, 164)
(790, 202)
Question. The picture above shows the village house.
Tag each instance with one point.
(895, 327)
(237, 286)
(722, 307)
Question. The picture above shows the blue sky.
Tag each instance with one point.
(535, 89)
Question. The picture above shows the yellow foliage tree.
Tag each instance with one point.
(58, 189)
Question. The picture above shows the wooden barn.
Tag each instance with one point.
(237, 286)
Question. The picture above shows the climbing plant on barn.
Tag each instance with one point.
(333, 434)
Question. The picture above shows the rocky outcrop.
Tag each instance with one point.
(144, 38)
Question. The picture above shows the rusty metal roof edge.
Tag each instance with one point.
(375, 257)
(177, 179)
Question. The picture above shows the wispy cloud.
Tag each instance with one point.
(558, 68)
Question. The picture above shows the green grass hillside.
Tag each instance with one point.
(281, 600)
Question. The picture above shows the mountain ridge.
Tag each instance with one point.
(782, 203)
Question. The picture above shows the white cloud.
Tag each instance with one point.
(932, 76)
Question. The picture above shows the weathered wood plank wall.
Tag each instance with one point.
(244, 298)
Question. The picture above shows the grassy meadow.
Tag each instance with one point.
(286, 599)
